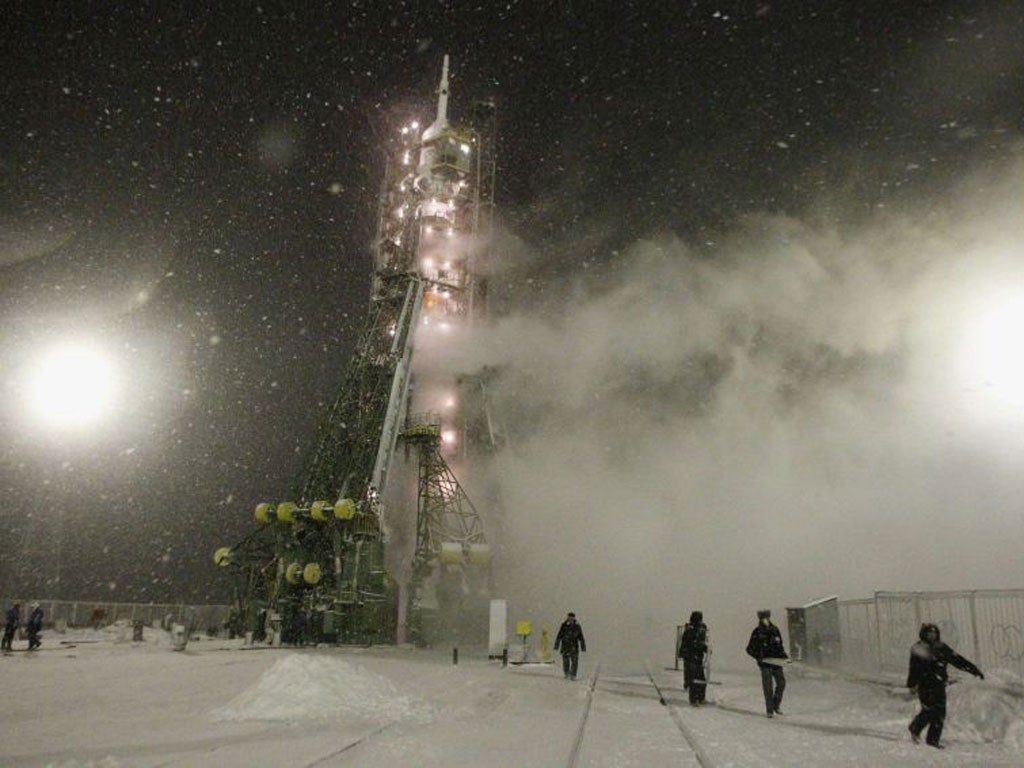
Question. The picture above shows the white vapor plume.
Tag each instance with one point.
(801, 413)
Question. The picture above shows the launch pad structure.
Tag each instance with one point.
(314, 568)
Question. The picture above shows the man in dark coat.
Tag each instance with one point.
(927, 676)
(34, 627)
(570, 641)
(11, 620)
(766, 648)
(692, 649)
(299, 623)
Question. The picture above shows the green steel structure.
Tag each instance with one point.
(314, 568)
(452, 554)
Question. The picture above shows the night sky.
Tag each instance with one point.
(196, 187)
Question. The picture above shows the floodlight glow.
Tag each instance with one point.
(448, 437)
(72, 386)
(996, 349)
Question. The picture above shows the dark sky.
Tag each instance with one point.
(196, 186)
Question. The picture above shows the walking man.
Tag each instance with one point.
(11, 620)
(34, 627)
(570, 641)
(692, 650)
(927, 676)
(766, 648)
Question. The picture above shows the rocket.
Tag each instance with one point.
(441, 121)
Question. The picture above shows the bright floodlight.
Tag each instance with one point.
(997, 350)
(72, 386)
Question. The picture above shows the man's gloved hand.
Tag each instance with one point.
(981, 675)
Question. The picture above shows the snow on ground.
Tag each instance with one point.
(99, 701)
(303, 687)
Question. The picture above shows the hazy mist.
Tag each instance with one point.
(795, 412)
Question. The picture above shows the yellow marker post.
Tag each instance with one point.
(524, 629)
(545, 644)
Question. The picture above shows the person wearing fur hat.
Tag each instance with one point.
(766, 648)
(692, 648)
(927, 677)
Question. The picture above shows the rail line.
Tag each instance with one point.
(574, 755)
(691, 740)
(673, 710)
(351, 745)
(788, 722)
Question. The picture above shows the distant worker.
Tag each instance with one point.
(299, 622)
(11, 620)
(570, 641)
(693, 648)
(766, 648)
(927, 677)
(34, 626)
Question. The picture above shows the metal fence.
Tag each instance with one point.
(986, 626)
(97, 614)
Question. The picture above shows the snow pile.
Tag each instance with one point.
(988, 712)
(314, 687)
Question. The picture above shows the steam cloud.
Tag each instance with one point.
(793, 416)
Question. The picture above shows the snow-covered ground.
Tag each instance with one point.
(107, 702)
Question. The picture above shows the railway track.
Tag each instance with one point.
(691, 740)
(673, 710)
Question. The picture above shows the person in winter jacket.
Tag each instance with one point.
(34, 626)
(692, 649)
(766, 648)
(927, 676)
(570, 641)
(11, 620)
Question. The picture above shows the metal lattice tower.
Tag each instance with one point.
(449, 531)
(320, 556)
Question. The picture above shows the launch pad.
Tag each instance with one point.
(315, 568)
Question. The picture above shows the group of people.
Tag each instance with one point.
(765, 647)
(927, 677)
(33, 627)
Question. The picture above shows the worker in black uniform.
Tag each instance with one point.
(766, 648)
(927, 677)
(692, 650)
(570, 641)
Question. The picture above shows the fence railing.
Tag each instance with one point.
(986, 626)
(86, 613)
